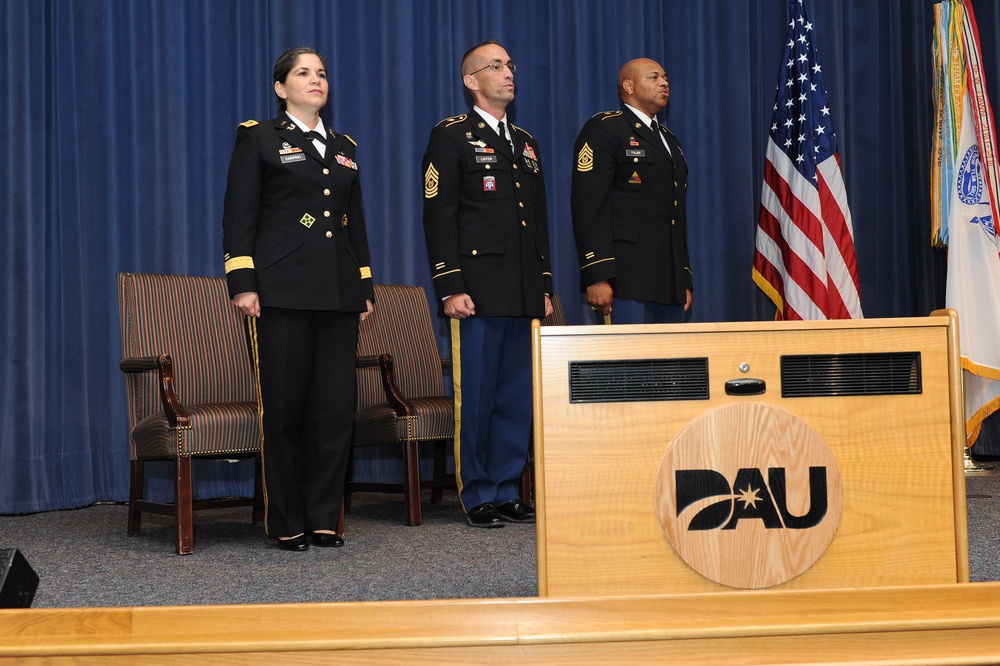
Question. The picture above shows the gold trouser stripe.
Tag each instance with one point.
(255, 352)
(456, 382)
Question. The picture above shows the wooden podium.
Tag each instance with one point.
(641, 431)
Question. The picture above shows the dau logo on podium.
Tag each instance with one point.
(749, 496)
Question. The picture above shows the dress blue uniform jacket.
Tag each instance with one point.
(629, 211)
(485, 218)
(293, 226)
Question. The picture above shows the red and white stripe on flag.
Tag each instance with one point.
(804, 259)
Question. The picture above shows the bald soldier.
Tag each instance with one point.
(628, 200)
(488, 244)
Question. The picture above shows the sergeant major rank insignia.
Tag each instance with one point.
(431, 182)
(585, 158)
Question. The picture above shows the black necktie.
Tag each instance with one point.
(317, 136)
(503, 135)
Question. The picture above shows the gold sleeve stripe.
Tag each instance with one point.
(366, 272)
(236, 263)
(457, 270)
(594, 263)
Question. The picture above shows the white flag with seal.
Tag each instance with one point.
(974, 278)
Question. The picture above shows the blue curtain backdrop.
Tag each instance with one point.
(119, 119)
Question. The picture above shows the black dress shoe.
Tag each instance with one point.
(295, 544)
(516, 511)
(325, 540)
(484, 515)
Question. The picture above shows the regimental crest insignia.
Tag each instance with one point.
(431, 182)
(585, 158)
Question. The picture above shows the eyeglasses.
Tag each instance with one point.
(496, 66)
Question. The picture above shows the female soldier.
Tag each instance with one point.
(297, 264)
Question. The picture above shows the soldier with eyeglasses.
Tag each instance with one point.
(488, 244)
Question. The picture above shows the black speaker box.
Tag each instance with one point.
(18, 581)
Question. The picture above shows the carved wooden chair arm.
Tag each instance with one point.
(176, 415)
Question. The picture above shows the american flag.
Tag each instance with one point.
(804, 258)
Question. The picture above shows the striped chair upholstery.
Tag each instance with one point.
(189, 388)
(401, 396)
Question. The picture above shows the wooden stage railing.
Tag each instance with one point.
(944, 624)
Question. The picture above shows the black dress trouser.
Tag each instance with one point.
(305, 361)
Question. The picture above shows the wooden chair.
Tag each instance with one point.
(401, 398)
(557, 318)
(189, 389)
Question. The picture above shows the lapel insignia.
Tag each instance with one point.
(480, 124)
(585, 158)
(468, 135)
(291, 126)
(431, 182)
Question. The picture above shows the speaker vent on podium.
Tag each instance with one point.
(822, 375)
(18, 581)
(638, 380)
